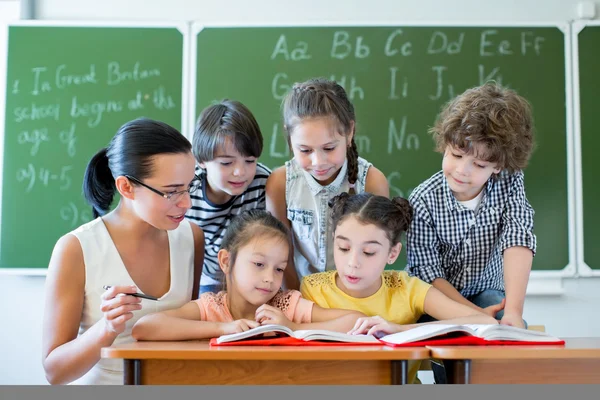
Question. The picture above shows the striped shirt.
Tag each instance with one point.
(448, 240)
(215, 218)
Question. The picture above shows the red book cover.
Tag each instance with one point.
(286, 341)
(424, 335)
(448, 341)
(470, 341)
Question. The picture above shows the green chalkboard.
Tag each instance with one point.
(588, 46)
(398, 79)
(68, 89)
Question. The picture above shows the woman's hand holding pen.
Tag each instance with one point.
(118, 307)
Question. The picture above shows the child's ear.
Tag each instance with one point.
(124, 187)
(351, 135)
(202, 165)
(497, 170)
(223, 257)
(394, 253)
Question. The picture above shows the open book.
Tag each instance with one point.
(282, 335)
(442, 335)
(424, 335)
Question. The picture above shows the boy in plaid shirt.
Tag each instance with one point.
(472, 232)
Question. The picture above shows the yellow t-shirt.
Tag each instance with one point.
(400, 300)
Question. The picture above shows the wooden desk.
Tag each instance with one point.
(578, 361)
(196, 363)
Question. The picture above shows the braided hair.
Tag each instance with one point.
(323, 98)
(392, 215)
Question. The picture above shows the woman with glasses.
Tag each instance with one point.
(144, 246)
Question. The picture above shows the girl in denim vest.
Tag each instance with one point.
(320, 123)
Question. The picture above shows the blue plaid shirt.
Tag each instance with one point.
(447, 240)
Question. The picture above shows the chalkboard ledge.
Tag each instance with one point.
(24, 271)
(541, 286)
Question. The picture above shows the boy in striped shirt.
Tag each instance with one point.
(227, 143)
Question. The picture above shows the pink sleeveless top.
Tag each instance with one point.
(213, 306)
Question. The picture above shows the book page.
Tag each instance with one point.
(255, 332)
(424, 332)
(506, 332)
(481, 330)
(315, 334)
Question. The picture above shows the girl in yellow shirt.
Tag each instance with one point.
(366, 234)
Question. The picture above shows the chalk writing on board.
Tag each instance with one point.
(161, 100)
(32, 175)
(440, 43)
(67, 137)
(353, 90)
(35, 138)
(401, 140)
(280, 85)
(94, 111)
(400, 89)
(438, 71)
(436, 81)
(392, 46)
(486, 75)
(40, 85)
(91, 111)
(138, 102)
(64, 78)
(278, 90)
(278, 148)
(341, 46)
(299, 52)
(79, 106)
(73, 215)
(118, 74)
(491, 45)
(37, 112)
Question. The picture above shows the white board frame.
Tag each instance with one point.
(583, 269)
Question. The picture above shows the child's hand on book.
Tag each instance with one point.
(240, 325)
(494, 309)
(267, 315)
(512, 320)
(375, 326)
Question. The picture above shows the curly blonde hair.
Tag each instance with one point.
(491, 120)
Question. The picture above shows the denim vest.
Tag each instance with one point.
(308, 212)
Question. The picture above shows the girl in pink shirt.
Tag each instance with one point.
(253, 256)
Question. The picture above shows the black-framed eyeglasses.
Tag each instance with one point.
(172, 197)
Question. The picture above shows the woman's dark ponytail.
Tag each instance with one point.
(99, 184)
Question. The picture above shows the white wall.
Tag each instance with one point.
(285, 11)
(21, 298)
(9, 10)
(21, 311)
